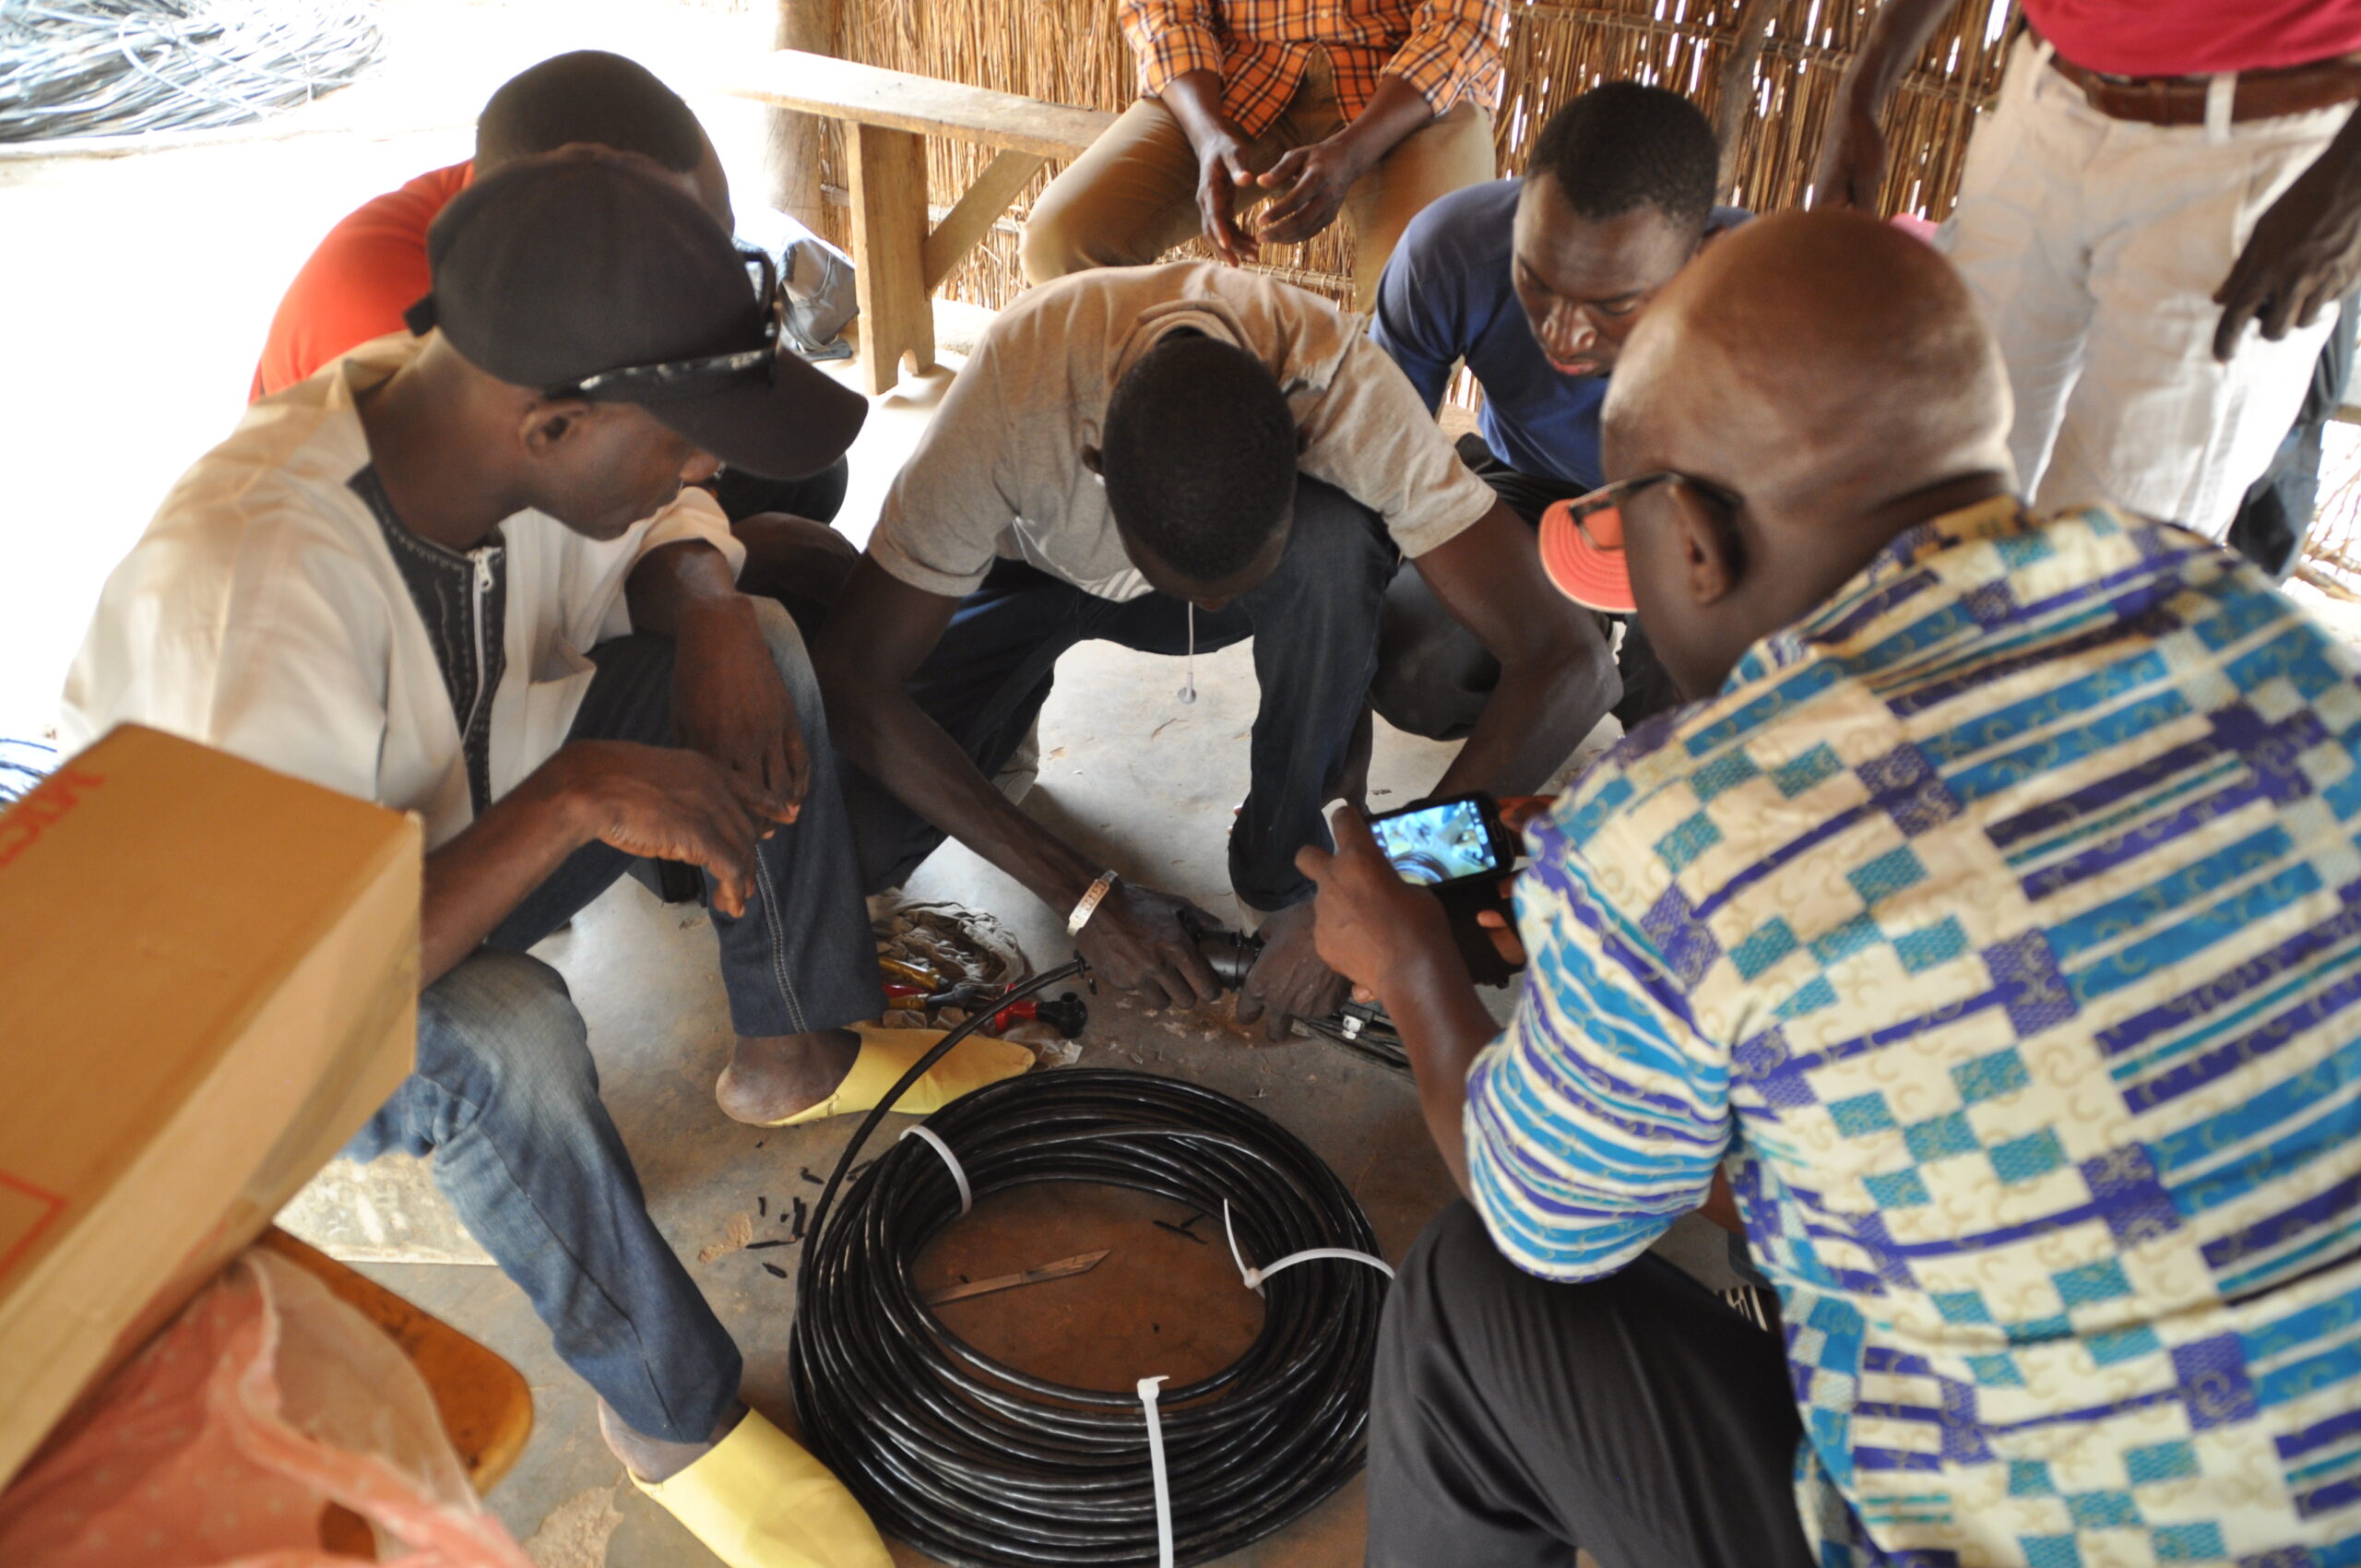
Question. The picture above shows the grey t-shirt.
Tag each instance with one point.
(999, 473)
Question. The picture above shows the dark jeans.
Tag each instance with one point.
(1315, 626)
(1434, 677)
(506, 1096)
(1513, 1421)
(2277, 512)
(803, 566)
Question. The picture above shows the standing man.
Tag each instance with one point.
(1368, 108)
(442, 575)
(2158, 218)
(1168, 457)
(1986, 925)
(1534, 284)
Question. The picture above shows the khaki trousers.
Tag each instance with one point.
(2093, 247)
(1133, 194)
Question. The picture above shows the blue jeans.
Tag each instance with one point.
(1315, 626)
(505, 1096)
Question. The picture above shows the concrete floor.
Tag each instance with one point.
(1156, 806)
(143, 287)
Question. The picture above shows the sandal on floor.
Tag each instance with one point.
(886, 1054)
(758, 1499)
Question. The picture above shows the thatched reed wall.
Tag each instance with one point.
(1070, 51)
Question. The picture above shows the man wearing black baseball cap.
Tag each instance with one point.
(437, 577)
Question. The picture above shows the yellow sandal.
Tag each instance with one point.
(886, 1054)
(759, 1500)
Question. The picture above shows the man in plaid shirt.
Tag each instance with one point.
(1371, 108)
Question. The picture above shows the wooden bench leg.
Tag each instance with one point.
(889, 225)
(965, 225)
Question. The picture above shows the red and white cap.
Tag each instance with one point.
(1585, 557)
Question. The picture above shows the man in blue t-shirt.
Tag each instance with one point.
(1536, 283)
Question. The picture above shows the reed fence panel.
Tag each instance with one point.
(1071, 51)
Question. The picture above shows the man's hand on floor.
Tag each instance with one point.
(1289, 980)
(1136, 939)
(729, 703)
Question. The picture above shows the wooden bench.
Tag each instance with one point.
(887, 117)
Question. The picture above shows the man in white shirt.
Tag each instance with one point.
(458, 574)
(1159, 457)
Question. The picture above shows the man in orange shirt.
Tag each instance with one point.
(372, 268)
(1366, 107)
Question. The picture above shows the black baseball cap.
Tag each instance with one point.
(590, 273)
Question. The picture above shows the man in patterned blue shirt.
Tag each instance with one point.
(1990, 919)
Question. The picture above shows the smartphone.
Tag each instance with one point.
(1446, 841)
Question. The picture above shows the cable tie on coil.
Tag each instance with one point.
(1150, 1388)
(1253, 1278)
(958, 1172)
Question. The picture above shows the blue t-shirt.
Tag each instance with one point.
(1447, 294)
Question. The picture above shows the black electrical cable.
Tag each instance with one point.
(976, 1461)
(1377, 1040)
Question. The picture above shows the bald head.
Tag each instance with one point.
(1821, 356)
(1832, 375)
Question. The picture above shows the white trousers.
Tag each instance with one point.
(2094, 246)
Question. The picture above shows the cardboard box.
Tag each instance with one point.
(208, 981)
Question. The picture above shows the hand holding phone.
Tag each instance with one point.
(1445, 841)
(1459, 849)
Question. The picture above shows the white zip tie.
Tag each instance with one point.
(1254, 1277)
(1150, 1387)
(958, 1175)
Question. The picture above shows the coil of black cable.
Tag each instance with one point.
(976, 1461)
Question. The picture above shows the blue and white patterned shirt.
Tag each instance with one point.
(2000, 925)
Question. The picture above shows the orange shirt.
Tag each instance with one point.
(369, 270)
(1447, 49)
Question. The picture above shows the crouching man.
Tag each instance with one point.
(1987, 918)
(1166, 458)
(433, 578)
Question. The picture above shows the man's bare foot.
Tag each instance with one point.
(653, 1458)
(773, 1077)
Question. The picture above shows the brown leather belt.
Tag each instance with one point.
(2180, 100)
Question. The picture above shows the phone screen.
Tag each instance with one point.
(1439, 843)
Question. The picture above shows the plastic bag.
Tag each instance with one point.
(219, 1445)
(815, 282)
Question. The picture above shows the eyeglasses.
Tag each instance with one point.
(1599, 514)
(678, 378)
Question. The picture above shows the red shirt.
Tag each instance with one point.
(369, 270)
(2188, 37)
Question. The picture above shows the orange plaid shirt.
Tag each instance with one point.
(1448, 50)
